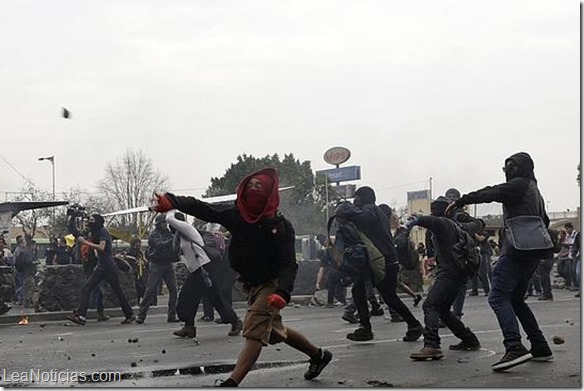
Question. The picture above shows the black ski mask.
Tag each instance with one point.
(97, 223)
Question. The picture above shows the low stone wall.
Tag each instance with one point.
(59, 288)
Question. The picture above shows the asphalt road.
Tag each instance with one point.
(149, 355)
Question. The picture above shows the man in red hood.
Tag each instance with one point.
(262, 252)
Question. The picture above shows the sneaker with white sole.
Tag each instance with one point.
(542, 354)
(513, 357)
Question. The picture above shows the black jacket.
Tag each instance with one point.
(519, 195)
(444, 236)
(370, 220)
(259, 252)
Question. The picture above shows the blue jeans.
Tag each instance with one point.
(509, 283)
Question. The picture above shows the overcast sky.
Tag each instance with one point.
(415, 89)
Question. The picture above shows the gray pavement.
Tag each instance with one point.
(149, 356)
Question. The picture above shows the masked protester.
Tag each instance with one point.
(262, 252)
(105, 269)
(520, 196)
(447, 283)
(370, 220)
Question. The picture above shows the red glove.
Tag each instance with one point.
(162, 203)
(276, 301)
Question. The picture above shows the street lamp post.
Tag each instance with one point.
(52, 160)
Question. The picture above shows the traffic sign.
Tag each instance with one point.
(341, 174)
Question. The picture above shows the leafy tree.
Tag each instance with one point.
(129, 182)
(303, 205)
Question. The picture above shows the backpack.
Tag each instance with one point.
(465, 253)
(353, 253)
(406, 250)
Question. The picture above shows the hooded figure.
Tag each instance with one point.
(519, 196)
(438, 206)
(363, 196)
(262, 252)
(519, 165)
(258, 196)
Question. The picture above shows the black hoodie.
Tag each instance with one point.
(519, 194)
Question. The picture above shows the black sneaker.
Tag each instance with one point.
(377, 311)
(226, 383)
(361, 334)
(350, 317)
(186, 332)
(413, 333)
(77, 319)
(417, 299)
(236, 328)
(542, 354)
(318, 363)
(466, 345)
(129, 320)
(518, 355)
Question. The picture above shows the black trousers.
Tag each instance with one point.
(388, 290)
(191, 293)
(437, 306)
(110, 275)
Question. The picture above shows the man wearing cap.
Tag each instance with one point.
(160, 255)
(262, 252)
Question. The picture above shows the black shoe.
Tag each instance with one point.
(518, 355)
(318, 363)
(129, 320)
(226, 383)
(542, 354)
(186, 332)
(417, 300)
(413, 333)
(139, 321)
(350, 317)
(236, 328)
(172, 320)
(77, 319)
(469, 345)
(361, 334)
(377, 311)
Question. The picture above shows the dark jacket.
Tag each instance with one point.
(519, 195)
(370, 220)
(259, 252)
(160, 249)
(444, 236)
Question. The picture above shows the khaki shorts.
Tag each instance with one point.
(262, 323)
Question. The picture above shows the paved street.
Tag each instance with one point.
(149, 356)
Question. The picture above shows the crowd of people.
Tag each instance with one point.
(458, 253)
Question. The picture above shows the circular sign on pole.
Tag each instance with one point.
(337, 155)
